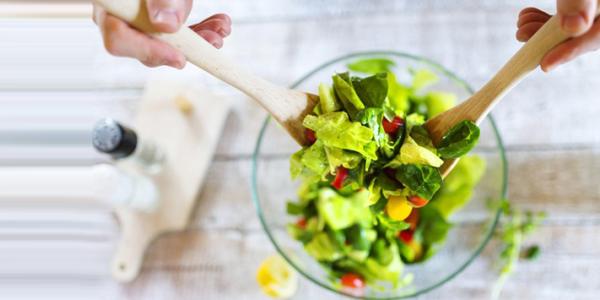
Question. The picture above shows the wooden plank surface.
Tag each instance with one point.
(59, 68)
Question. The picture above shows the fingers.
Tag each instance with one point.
(214, 29)
(531, 9)
(576, 16)
(526, 31)
(122, 40)
(532, 17)
(530, 21)
(168, 15)
(572, 48)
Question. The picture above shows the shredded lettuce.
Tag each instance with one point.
(340, 212)
(336, 130)
(412, 153)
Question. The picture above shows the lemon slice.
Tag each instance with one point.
(276, 277)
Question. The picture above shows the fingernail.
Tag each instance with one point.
(217, 44)
(167, 17)
(573, 23)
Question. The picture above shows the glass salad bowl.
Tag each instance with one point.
(472, 226)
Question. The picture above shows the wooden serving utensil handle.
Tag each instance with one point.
(524, 61)
(205, 56)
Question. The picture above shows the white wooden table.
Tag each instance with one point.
(55, 78)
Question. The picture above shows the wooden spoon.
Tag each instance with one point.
(477, 107)
(288, 107)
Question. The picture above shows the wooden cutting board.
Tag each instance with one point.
(186, 123)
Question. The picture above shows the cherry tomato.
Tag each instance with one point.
(406, 235)
(391, 127)
(413, 219)
(352, 280)
(340, 176)
(301, 223)
(417, 201)
(398, 208)
(310, 136)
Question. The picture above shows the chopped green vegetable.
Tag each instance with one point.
(439, 102)
(423, 78)
(532, 252)
(459, 185)
(341, 212)
(512, 233)
(372, 66)
(347, 95)
(412, 153)
(322, 248)
(336, 130)
(370, 145)
(423, 180)
(328, 102)
(459, 140)
(372, 90)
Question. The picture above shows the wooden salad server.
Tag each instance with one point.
(288, 107)
(477, 107)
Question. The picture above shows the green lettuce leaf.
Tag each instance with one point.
(459, 140)
(322, 248)
(372, 90)
(414, 120)
(328, 102)
(433, 229)
(341, 212)
(423, 78)
(311, 161)
(347, 95)
(336, 130)
(372, 65)
(423, 180)
(373, 117)
(398, 96)
(340, 157)
(439, 102)
(459, 185)
(412, 153)
(374, 192)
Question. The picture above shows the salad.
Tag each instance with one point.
(371, 198)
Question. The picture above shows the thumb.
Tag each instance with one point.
(168, 15)
(576, 16)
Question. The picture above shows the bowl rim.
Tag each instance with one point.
(451, 75)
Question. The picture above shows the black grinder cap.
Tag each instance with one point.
(110, 137)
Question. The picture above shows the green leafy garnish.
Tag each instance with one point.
(370, 146)
(372, 65)
(336, 130)
(328, 102)
(372, 90)
(516, 226)
(421, 179)
(459, 140)
(347, 95)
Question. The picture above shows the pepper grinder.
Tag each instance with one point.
(123, 143)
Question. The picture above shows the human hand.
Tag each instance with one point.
(120, 39)
(577, 19)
